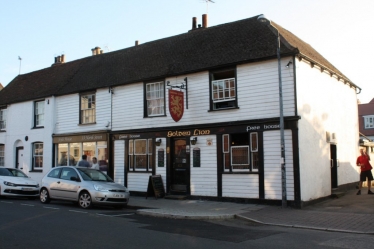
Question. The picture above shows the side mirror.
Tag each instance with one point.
(73, 178)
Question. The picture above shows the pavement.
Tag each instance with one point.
(349, 213)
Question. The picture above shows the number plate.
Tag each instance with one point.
(27, 189)
(118, 195)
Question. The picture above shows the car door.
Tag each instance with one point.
(68, 188)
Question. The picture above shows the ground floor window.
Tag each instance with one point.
(37, 157)
(2, 155)
(240, 152)
(140, 155)
(69, 154)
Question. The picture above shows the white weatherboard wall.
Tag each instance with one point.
(272, 165)
(20, 123)
(240, 185)
(67, 108)
(119, 161)
(257, 89)
(325, 104)
(204, 178)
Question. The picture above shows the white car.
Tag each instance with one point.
(86, 186)
(13, 182)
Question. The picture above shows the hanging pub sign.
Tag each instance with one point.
(176, 104)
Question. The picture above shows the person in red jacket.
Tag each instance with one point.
(363, 162)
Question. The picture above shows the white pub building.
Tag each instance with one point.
(201, 109)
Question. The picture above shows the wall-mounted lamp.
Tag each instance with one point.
(288, 64)
(158, 142)
(194, 140)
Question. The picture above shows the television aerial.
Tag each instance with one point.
(207, 4)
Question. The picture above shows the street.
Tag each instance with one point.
(30, 224)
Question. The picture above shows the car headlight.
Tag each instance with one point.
(9, 184)
(100, 188)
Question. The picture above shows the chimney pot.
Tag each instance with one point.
(93, 51)
(194, 22)
(205, 20)
(62, 58)
(136, 42)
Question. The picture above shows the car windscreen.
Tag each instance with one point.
(12, 172)
(93, 175)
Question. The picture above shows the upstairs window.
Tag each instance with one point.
(37, 159)
(2, 155)
(39, 113)
(155, 99)
(2, 119)
(369, 122)
(87, 108)
(223, 89)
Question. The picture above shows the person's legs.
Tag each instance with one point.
(359, 188)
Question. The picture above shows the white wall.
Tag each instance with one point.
(67, 113)
(272, 165)
(119, 161)
(325, 104)
(20, 123)
(204, 178)
(257, 89)
(240, 185)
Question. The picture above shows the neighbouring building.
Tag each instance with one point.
(366, 126)
(201, 109)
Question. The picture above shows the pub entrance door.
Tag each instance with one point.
(180, 167)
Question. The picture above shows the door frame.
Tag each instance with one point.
(170, 165)
(334, 166)
(17, 154)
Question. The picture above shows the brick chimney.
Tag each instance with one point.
(96, 51)
(59, 60)
(205, 20)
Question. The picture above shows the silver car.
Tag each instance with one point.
(86, 186)
(13, 182)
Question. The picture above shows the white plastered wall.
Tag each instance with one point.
(325, 105)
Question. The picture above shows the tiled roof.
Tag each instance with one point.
(205, 48)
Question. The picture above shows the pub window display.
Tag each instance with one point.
(240, 152)
(140, 155)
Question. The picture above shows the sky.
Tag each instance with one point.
(38, 31)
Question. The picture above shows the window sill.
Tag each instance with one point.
(241, 173)
(37, 171)
(87, 124)
(232, 108)
(2, 130)
(155, 116)
(37, 127)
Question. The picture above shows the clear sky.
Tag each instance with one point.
(40, 30)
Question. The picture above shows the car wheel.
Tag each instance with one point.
(85, 200)
(44, 196)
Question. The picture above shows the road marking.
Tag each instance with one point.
(51, 208)
(27, 205)
(6, 202)
(114, 214)
(78, 211)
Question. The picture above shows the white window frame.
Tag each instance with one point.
(37, 154)
(39, 113)
(240, 164)
(369, 122)
(253, 140)
(155, 98)
(222, 91)
(3, 113)
(2, 155)
(88, 108)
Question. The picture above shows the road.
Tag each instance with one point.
(30, 224)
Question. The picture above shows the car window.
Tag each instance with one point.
(17, 173)
(54, 173)
(5, 172)
(67, 173)
(94, 175)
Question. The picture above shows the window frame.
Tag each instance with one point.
(162, 106)
(88, 109)
(230, 100)
(38, 116)
(369, 122)
(227, 154)
(2, 155)
(3, 114)
(40, 156)
(147, 154)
